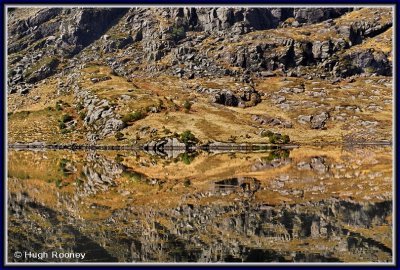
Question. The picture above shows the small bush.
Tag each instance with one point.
(131, 117)
(266, 133)
(119, 136)
(285, 139)
(167, 131)
(82, 115)
(59, 183)
(79, 106)
(187, 105)
(187, 137)
(119, 158)
(133, 176)
(187, 183)
(276, 138)
(61, 125)
(178, 33)
(66, 118)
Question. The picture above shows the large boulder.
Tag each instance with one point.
(318, 121)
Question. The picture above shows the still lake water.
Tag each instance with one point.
(310, 204)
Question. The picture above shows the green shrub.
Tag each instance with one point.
(66, 118)
(79, 106)
(178, 33)
(266, 133)
(133, 176)
(187, 105)
(82, 115)
(187, 183)
(59, 105)
(285, 139)
(58, 183)
(119, 158)
(187, 137)
(119, 136)
(62, 167)
(61, 125)
(276, 138)
(131, 117)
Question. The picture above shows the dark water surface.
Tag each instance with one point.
(311, 204)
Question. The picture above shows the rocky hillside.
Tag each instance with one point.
(129, 75)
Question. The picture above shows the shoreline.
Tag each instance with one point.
(218, 146)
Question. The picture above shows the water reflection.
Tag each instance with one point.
(306, 205)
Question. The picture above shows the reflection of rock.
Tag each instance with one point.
(170, 147)
(245, 185)
(183, 229)
(100, 173)
(274, 160)
(35, 226)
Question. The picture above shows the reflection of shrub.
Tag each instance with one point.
(278, 154)
(187, 137)
(186, 158)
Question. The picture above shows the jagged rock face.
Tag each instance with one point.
(163, 32)
(314, 15)
(84, 26)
